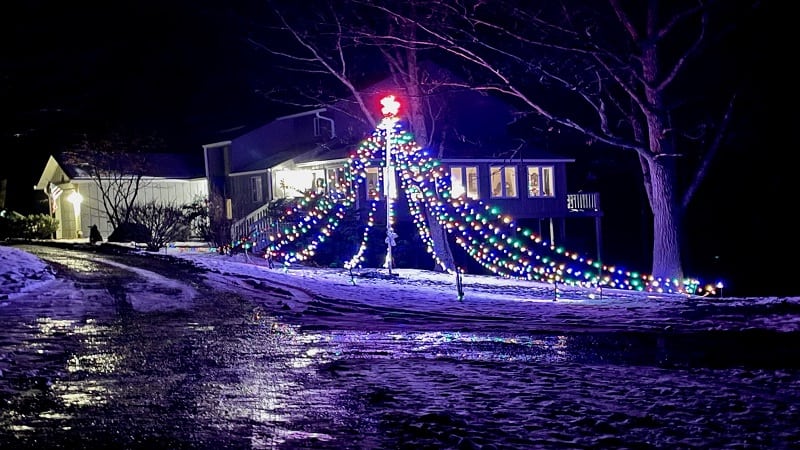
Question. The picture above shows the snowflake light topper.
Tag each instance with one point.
(390, 105)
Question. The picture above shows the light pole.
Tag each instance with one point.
(389, 110)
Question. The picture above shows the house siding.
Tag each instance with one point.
(217, 161)
(240, 193)
(522, 206)
(177, 192)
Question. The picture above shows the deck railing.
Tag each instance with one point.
(257, 220)
(259, 223)
(583, 201)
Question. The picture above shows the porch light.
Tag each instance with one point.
(75, 198)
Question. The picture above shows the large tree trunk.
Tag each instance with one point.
(667, 220)
(441, 246)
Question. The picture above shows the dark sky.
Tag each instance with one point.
(176, 69)
(157, 64)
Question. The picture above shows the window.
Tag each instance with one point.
(256, 192)
(464, 181)
(372, 182)
(323, 126)
(293, 183)
(319, 185)
(504, 181)
(540, 181)
(336, 180)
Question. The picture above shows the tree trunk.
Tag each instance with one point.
(667, 220)
(441, 246)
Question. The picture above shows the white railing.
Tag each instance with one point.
(583, 201)
(255, 221)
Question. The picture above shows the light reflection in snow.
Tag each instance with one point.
(49, 327)
(444, 344)
(81, 394)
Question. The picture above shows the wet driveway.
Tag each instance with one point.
(88, 370)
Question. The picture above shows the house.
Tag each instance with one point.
(310, 151)
(76, 200)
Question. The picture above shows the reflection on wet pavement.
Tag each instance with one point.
(86, 372)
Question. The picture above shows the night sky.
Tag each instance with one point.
(182, 71)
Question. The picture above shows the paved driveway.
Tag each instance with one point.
(90, 362)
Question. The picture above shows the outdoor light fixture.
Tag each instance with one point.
(76, 199)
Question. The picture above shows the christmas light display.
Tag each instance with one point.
(492, 239)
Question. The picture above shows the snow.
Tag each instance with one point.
(21, 271)
(339, 357)
(167, 294)
(424, 300)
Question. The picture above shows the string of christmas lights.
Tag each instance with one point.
(493, 239)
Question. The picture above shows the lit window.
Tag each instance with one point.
(464, 181)
(372, 182)
(540, 181)
(504, 181)
(319, 185)
(336, 179)
(293, 183)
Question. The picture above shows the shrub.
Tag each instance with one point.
(164, 223)
(206, 219)
(33, 226)
(130, 232)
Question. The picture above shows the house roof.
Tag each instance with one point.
(179, 166)
(270, 160)
(500, 149)
(329, 151)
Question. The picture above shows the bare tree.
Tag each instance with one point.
(3, 190)
(164, 222)
(207, 219)
(117, 168)
(625, 75)
(338, 41)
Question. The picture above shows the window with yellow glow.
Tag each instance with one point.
(464, 181)
(504, 181)
(372, 183)
(293, 183)
(540, 181)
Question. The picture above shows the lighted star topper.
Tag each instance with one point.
(390, 106)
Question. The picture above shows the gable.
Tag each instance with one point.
(53, 172)
(181, 166)
(292, 139)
